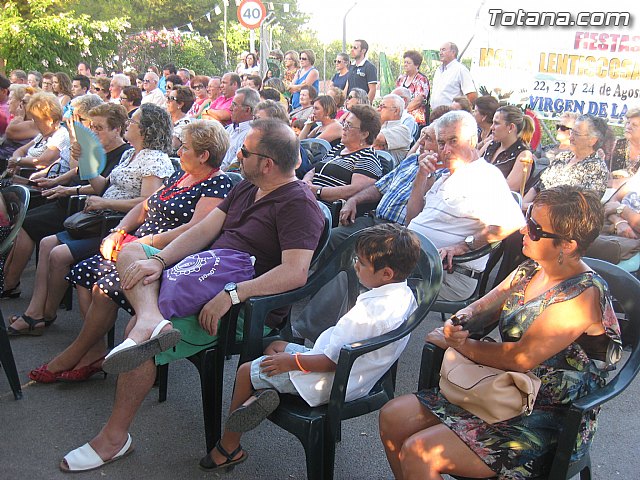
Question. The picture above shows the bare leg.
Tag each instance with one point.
(143, 298)
(437, 450)
(84, 300)
(35, 309)
(60, 262)
(41, 290)
(131, 391)
(419, 446)
(89, 345)
(20, 255)
(399, 419)
(242, 391)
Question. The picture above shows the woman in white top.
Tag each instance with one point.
(179, 100)
(51, 145)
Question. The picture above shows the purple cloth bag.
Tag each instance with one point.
(190, 284)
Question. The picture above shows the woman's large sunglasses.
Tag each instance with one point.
(534, 230)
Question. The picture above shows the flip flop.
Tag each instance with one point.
(31, 330)
(207, 464)
(248, 417)
(85, 458)
(129, 355)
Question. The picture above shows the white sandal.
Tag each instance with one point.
(130, 355)
(85, 458)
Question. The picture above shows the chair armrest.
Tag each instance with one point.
(475, 254)
(430, 364)
(76, 203)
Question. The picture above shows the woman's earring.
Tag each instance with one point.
(561, 258)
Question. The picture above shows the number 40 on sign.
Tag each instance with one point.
(251, 13)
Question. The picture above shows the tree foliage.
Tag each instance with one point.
(37, 35)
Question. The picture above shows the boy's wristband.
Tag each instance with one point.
(302, 369)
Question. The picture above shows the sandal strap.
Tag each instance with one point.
(228, 455)
(32, 322)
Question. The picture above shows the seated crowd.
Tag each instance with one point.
(200, 163)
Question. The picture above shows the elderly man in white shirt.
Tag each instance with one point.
(406, 118)
(394, 136)
(118, 82)
(242, 106)
(463, 209)
(153, 93)
(451, 79)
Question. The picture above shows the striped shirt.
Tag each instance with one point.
(336, 169)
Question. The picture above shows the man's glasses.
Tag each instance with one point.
(354, 47)
(123, 98)
(245, 153)
(337, 61)
(534, 230)
(146, 81)
(563, 128)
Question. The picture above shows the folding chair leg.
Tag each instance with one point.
(7, 361)
(319, 460)
(162, 378)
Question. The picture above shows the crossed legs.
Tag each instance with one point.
(419, 446)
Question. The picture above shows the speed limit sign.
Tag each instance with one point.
(251, 13)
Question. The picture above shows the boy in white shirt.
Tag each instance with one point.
(385, 256)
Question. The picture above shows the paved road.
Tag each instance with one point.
(50, 420)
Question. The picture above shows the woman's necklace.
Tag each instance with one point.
(170, 191)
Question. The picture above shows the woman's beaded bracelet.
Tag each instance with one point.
(118, 230)
(157, 257)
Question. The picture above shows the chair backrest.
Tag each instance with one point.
(16, 199)
(316, 147)
(235, 178)
(386, 160)
(326, 233)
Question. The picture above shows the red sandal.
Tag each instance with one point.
(43, 375)
(82, 374)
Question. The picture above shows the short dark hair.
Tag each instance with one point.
(363, 44)
(234, 78)
(185, 96)
(175, 79)
(171, 67)
(390, 245)
(133, 94)
(328, 105)
(115, 115)
(257, 81)
(85, 82)
(274, 109)
(415, 56)
(4, 82)
(575, 213)
(313, 93)
(369, 120)
(270, 93)
(278, 142)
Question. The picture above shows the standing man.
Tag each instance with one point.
(154, 94)
(80, 85)
(242, 107)
(362, 73)
(34, 79)
(168, 69)
(220, 108)
(100, 72)
(452, 79)
(84, 69)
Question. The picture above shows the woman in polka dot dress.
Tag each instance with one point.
(186, 199)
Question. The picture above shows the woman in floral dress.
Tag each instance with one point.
(555, 319)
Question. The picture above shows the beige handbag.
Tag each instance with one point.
(489, 393)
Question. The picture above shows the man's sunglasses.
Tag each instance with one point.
(245, 153)
(564, 128)
(534, 230)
